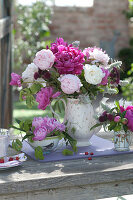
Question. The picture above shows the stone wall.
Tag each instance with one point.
(103, 25)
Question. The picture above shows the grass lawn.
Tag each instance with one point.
(21, 112)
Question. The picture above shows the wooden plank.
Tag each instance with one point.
(5, 27)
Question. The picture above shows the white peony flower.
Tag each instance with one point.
(93, 74)
(28, 74)
(97, 55)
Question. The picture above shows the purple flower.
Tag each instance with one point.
(117, 119)
(102, 118)
(40, 133)
(110, 117)
(69, 60)
(44, 97)
(15, 79)
(105, 78)
(114, 76)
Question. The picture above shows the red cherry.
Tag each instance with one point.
(90, 158)
(1, 160)
(10, 159)
(86, 153)
(17, 158)
(91, 153)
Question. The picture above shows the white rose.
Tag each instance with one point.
(93, 74)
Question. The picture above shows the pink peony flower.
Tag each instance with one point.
(52, 124)
(69, 60)
(70, 84)
(129, 117)
(44, 97)
(40, 133)
(15, 79)
(44, 59)
(117, 118)
(105, 78)
(37, 122)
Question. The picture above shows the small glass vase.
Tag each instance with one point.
(122, 141)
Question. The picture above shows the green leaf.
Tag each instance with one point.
(117, 104)
(112, 126)
(123, 114)
(17, 145)
(67, 152)
(35, 88)
(95, 126)
(73, 130)
(117, 128)
(125, 128)
(105, 107)
(26, 136)
(30, 100)
(18, 121)
(39, 153)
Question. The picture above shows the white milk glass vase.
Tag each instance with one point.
(79, 115)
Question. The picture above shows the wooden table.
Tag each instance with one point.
(68, 180)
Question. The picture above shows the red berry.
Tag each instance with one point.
(90, 158)
(17, 158)
(86, 153)
(1, 160)
(91, 153)
(10, 159)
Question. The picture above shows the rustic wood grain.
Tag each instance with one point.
(34, 176)
(5, 26)
(5, 63)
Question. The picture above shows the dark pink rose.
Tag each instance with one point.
(15, 79)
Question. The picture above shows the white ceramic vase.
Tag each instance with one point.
(122, 141)
(80, 118)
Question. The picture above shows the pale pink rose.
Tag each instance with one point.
(37, 122)
(40, 133)
(70, 83)
(44, 59)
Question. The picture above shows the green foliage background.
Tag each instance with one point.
(31, 31)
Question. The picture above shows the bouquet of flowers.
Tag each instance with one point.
(63, 71)
(60, 71)
(117, 118)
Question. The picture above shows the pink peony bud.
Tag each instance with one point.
(117, 118)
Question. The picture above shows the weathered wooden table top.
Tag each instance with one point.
(105, 172)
